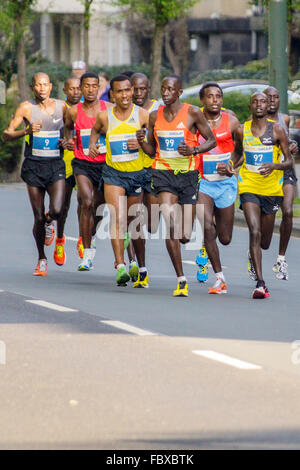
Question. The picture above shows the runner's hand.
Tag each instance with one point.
(225, 169)
(133, 144)
(266, 169)
(34, 127)
(67, 144)
(140, 135)
(184, 149)
(293, 147)
(94, 150)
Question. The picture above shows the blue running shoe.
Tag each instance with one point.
(86, 263)
(202, 258)
(202, 274)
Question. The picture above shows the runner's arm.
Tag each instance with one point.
(99, 128)
(202, 126)
(237, 156)
(22, 114)
(223, 168)
(149, 146)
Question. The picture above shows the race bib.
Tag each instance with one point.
(119, 148)
(85, 140)
(255, 156)
(46, 144)
(169, 142)
(210, 163)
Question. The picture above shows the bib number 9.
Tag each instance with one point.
(170, 142)
(47, 141)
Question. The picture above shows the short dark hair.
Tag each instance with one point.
(140, 75)
(208, 85)
(119, 78)
(128, 73)
(36, 74)
(88, 75)
(176, 77)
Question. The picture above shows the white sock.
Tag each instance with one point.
(143, 270)
(220, 275)
(280, 258)
(88, 252)
(120, 265)
(181, 279)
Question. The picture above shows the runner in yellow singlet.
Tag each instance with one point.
(260, 181)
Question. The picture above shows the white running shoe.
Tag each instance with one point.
(280, 268)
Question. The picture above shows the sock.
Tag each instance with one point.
(280, 258)
(121, 265)
(88, 252)
(181, 279)
(143, 270)
(260, 283)
(220, 275)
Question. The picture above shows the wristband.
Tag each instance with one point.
(230, 161)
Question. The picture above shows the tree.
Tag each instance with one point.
(293, 7)
(160, 12)
(15, 19)
(87, 13)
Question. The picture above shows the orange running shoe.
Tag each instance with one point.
(41, 269)
(49, 232)
(219, 287)
(80, 248)
(59, 254)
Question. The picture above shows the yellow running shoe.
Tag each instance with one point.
(182, 289)
(80, 248)
(143, 281)
(59, 254)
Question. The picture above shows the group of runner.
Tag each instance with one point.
(171, 158)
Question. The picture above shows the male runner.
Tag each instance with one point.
(87, 168)
(141, 90)
(218, 185)
(123, 174)
(43, 168)
(260, 179)
(72, 91)
(289, 184)
(172, 139)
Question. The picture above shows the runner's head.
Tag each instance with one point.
(259, 105)
(89, 83)
(171, 89)
(72, 90)
(122, 91)
(211, 97)
(41, 86)
(141, 88)
(273, 99)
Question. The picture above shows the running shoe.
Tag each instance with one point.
(251, 270)
(93, 248)
(202, 258)
(86, 263)
(280, 268)
(122, 276)
(49, 232)
(126, 240)
(182, 289)
(260, 292)
(41, 269)
(134, 271)
(202, 273)
(143, 281)
(80, 248)
(219, 287)
(59, 254)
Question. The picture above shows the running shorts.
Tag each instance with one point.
(223, 192)
(43, 174)
(184, 185)
(267, 204)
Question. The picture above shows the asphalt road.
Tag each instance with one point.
(104, 367)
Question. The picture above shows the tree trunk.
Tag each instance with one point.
(158, 39)
(21, 63)
(86, 45)
(171, 54)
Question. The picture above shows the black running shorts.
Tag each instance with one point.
(267, 204)
(41, 174)
(183, 185)
(290, 177)
(93, 171)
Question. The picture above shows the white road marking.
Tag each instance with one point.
(72, 239)
(231, 361)
(2, 290)
(59, 308)
(189, 262)
(131, 329)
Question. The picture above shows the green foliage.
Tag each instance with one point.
(159, 11)
(58, 73)
(10, 152)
